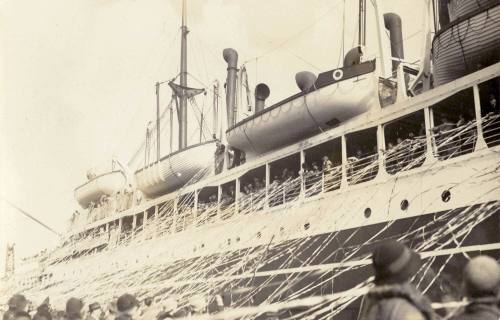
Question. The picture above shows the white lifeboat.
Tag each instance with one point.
(176, 169)
(104, 184)
(336, 96)
(471, 41)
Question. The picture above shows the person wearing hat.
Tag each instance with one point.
(95, 311)
(482, 288)
(127, 306)
(394, 297)
(74, 308)
(16, 303)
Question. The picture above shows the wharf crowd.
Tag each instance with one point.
(393, 296)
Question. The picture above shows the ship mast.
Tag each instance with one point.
(183, 82)
(362, 24)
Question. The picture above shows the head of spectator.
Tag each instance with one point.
(390, 146)
(315, 167)
(399, 140)
(493, 101)
(74, 308)
(359, 153)
(18, 302)
(148, 301)
(22, 315)
(394, 263)
(411, 135)
(482, 277)
(127, 305)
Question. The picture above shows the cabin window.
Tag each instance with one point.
(362, 156)
(489, 94)
(150, 213)
(405, 143)
(322, 168)
(454, 131)
(207, 205)
(185, 211)
(166, 214)
(237, 157)
(252, 190)
(387, 92)
(127, 223)
(139, 222)
(227, 199)
(285, 180)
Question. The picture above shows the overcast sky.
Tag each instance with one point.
(77, 80)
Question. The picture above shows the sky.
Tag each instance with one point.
(77, 81)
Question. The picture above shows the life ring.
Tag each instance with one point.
(337, 74)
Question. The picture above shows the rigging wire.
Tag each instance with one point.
(297, 34)
(28, 215)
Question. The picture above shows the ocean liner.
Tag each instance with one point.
(282, 211)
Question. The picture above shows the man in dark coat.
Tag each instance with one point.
(482, 283)
(393, 297)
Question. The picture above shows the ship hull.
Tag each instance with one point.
(314, 247)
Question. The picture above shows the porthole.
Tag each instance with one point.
(404, 205)
(307, 225)
(368, 212)
(259, 234)
(238, 239)
(446, 195)
(203, 245)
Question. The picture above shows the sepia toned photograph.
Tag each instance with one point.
(249, 159)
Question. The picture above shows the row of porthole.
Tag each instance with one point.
(445, 197)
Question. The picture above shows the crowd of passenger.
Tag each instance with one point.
(392, 296)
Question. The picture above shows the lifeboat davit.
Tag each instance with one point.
(336, 95)
(469, 42)
(105, 184)
(176, 169)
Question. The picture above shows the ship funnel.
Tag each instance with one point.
(231, 57)
(261, 93)
(353, 57)
(305, 80)
(392, 22)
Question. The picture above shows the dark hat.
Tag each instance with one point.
(148, 301)
(482, 277)
(394, 263)
(17, 301)
(74, 308)
(126, 302)
(94, 306)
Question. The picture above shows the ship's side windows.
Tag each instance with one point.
(185, 211)
(252, 190)
(207, 205)
(284, 180)
(454, 131)
(322, 168)
(489, 94)
(405, 144)
(227, 199)
(166, 212)
(126, 226)
(139, 222)
(362, 156)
